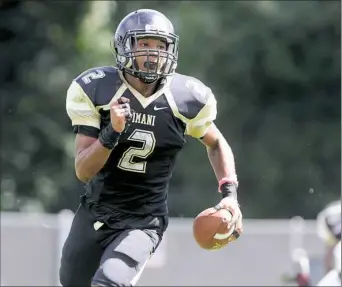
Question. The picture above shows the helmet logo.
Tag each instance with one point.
(149, 27)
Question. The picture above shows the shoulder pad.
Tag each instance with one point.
(190, 95)
(99, 83)
(194, 104)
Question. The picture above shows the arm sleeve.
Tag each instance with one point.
(199, 126)
(80, 108)
(87, 131)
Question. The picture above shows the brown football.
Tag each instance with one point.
(210, 228)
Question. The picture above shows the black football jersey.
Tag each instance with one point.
(136, 176)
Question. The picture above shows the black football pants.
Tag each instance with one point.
(108, 256)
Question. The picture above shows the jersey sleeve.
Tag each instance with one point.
(80, 108)
(199, 126)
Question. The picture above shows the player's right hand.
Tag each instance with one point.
(120, 113)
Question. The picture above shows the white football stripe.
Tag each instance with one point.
(222, 236)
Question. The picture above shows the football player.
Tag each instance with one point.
(329, 230)
(131, 121)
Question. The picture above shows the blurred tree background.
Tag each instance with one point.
(274, 67)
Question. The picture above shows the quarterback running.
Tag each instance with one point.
(131, 120)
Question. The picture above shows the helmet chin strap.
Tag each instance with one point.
(147, 80)
(143, 78)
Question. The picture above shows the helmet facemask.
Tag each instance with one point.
(159, 63)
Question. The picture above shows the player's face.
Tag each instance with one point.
(152, 62)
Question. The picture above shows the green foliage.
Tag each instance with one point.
(36, 169)
(274, 67)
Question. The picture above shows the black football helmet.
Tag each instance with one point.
(146, 23)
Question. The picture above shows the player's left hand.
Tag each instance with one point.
(232, 205)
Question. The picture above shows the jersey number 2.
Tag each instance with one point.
(98, 74)
(148, 143)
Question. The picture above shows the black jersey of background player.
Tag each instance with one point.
(135, 178)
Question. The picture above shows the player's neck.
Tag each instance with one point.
(145, 89)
